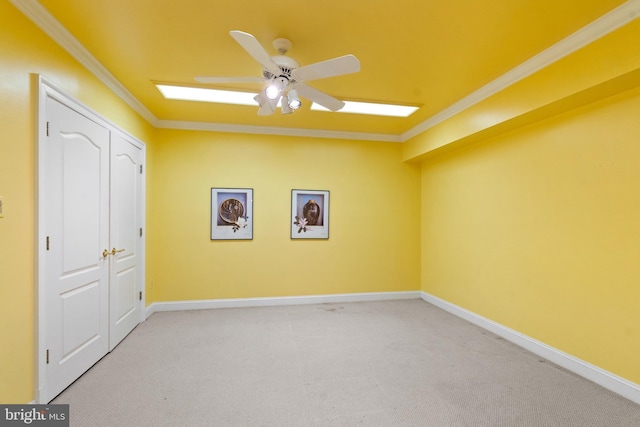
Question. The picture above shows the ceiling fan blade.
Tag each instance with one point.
(333, 67)
(205, 79)
(255, 49)
(319, 97)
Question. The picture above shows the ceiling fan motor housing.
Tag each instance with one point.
(286, 65)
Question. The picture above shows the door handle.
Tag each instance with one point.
(113, 251)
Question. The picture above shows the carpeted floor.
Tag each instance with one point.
(390, 363)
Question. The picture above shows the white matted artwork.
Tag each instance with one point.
(231, 213)
(309, 214)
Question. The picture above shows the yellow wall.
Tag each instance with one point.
(373, 243)
(530, 206)
(538, 230)
(25, 50)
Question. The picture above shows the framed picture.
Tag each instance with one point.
(309, 214)
(231, 213)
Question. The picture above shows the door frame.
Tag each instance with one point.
(44, 89)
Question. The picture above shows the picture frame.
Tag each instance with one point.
(309, 214)
(231, 213)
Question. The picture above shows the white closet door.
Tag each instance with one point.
(126, 238)
(77, 232)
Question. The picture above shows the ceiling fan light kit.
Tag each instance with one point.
(284, 105)
(276, 87)
(285, 79)
(266, 104)
(293, 100)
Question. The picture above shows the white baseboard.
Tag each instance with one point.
(275, 301)
(586, 370)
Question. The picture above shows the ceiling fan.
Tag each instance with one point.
(285, 79)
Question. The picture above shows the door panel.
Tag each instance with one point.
(81, 185)
(81, 318)
(77, 230)
(126, 292)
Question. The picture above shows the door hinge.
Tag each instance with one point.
(47, 128)
(140, 231)
(47, 242)
(140, 295)
(47, 356)
(140, 169)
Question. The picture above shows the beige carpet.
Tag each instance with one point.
(391, 363)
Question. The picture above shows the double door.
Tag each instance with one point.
(91, 227)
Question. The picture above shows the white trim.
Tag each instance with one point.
(40, 183)
(586, 370)
(616, 18)
(278, 301)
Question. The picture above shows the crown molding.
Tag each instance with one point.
(47, 23)
(607, 23)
